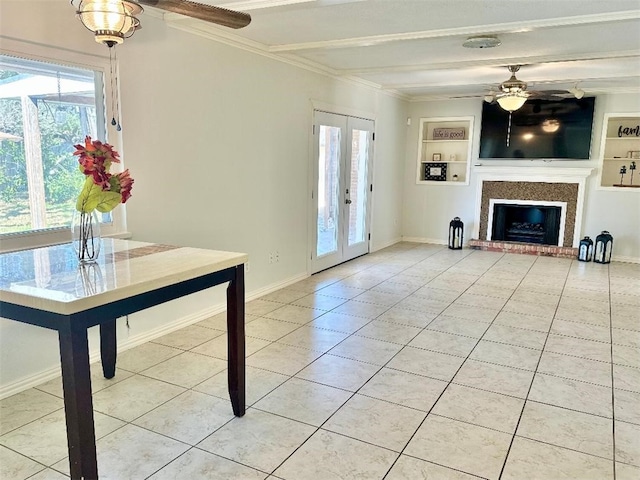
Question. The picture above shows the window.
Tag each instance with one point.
(45, 109)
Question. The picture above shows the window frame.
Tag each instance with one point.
(100, 66)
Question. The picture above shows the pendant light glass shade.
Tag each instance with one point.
(512, 102)
(111, 20)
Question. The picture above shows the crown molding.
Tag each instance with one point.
(205, 30)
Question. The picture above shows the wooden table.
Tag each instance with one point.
(46, 287)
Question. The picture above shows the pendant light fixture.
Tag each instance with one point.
(512, 101)
(111, 21)
(514, 93)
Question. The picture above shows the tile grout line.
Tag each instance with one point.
(354, 333)
(504, 464)
(613, 390)
(456, 372)
(377, 371)
(318, 428)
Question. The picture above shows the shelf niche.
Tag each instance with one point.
(444, 146)
(619, 147)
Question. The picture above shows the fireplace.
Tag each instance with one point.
(526, 223)
(539, 187)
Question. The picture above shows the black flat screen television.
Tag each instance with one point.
(540, 129)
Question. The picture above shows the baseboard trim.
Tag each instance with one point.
(136, 340)
(375, 248)
(434, 241)
(616, 258)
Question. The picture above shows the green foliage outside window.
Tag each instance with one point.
(62, 125)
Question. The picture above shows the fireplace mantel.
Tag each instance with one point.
(539, 174)
(532, 174)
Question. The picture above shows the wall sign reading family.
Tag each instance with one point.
(624, 131)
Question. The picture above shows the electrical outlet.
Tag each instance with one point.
(270, 257)
(276, 256)
(246, 267)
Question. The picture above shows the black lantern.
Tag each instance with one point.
(456, 234)
(585, 251)
(603, 248)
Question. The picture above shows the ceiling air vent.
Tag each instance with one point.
(482, 41)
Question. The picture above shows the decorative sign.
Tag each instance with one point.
(623, 131)
(435, 171)
(448, 133)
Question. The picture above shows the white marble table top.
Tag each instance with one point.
(51, 279)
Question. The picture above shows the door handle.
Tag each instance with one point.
(347, 201)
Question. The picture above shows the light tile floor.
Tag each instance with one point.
(414, 362)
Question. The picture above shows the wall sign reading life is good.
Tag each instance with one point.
(448, 133)
(624, 131)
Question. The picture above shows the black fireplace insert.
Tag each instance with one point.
(526, 223)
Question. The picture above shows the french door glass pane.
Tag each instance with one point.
(328, 190)
(45, 109)
(358, 186)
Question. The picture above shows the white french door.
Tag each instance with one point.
(343, 149)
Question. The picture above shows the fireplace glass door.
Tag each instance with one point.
(526, 224)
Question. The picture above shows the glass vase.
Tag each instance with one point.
(85, 236)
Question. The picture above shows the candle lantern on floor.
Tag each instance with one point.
(585, 251)
(603, 248)
(456, 234)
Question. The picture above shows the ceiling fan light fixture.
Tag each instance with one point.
(111, 21)
(482, 41)
(577, 92)
(512, 102)
(551, 125)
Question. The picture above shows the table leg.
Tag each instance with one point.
(108, 348)
(78, 405)
(235, 344)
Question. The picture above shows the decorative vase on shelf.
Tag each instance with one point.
(85, 235)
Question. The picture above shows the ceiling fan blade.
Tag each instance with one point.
(550, 95)
(551, 92)
(208, 13)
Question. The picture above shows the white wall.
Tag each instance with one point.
(231, 130)
(428, 209)
(217, 140)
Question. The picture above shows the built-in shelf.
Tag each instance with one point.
(620, 147)
(444, 160)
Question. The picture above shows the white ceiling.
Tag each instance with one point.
(414, 47)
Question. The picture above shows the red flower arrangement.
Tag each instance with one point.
(102, 190)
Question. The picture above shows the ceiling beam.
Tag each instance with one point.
(493, 62)
(532, 83)
(495, 29)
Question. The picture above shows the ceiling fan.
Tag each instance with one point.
(513, 93)
(114, 20)
(111, 21)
